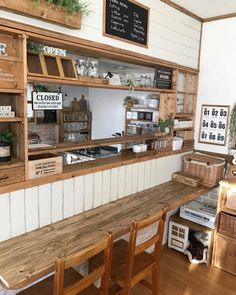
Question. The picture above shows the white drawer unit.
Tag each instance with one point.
(178, 236)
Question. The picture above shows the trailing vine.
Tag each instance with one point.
(232, 125)
(71, 7)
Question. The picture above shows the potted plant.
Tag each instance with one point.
(232, 127)
(129, 101)
(166, 125)
(64, 12)
(6, 138)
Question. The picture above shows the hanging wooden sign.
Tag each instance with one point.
(46, 100)
(214, 124)
(163, 77)
(126, 20)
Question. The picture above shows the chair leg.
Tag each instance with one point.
(155, 282)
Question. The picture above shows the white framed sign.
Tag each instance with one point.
(214, 124)
(46, 101)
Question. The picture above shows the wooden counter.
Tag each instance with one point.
(29, 257)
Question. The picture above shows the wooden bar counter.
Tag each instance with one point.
(31, 256)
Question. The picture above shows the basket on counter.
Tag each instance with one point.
(209, 169)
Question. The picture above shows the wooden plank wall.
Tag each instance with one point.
(25, 210)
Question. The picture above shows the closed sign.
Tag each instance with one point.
(47, 100)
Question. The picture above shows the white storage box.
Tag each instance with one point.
(185, 124)
(199, 212)
(178, 236)
(177, 143)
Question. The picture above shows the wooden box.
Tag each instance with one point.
(227, 225)
(231, 172)
(11, 75)
(12, 175)
(43, 11)
(46, 165)
(225, 254)
(209, 169)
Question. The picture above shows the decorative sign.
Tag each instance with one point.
(127, 20)
(163, 77)
(46, 100)
(214, 124)
(53, 50)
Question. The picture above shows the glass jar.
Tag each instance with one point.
(81, 67)
(93, 68)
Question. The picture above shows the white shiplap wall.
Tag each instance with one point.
(25, 210)
(173, 35)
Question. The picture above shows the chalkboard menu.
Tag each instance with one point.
(214, 124)
(126, 20)
(163, 77)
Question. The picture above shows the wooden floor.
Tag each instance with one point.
(179, 277)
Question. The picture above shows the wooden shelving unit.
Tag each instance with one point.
(75, 126)
(225, 238)
(12, 93)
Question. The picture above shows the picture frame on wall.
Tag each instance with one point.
(214, 124)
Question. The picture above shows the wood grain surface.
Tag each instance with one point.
(28, 257)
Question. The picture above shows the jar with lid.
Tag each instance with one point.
(93, 68)
(81, 67)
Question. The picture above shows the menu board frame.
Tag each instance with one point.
(124, 39)
(215, 119)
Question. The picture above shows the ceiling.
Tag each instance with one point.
(208, 8)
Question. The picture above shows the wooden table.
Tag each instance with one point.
(26, 258)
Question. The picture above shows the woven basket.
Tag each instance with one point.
(209, 169)
(227, 225)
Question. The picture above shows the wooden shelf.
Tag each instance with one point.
(183, 129)
(68, 81)
(13, 91)
(142, 108)
(11, 120)
(11, 58)
(229, 211)
(143, 121)
(184, 115)
(94, 143)
(77, 131)
(11, 164)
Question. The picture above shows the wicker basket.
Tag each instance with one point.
(227, 225)
(209, 169)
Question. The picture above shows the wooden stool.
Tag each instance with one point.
(68, 281)
(130, 263)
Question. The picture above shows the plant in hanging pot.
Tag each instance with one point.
(6, 138)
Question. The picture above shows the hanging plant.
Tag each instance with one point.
(71, 7)
(232, 125)
(35, 47)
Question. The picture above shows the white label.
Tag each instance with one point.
(47, 100)
(3, 48)
(4, 151)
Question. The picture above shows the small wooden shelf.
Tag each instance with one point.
(229, 211)
(11, 91)
(77, 131)
(143, 121)
(11, 164)
(11, 120)
(183, 129)
(184, 115)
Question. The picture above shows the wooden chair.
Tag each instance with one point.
(67, 281)
(130, 263)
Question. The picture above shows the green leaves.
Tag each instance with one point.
(6, 137)
(232, 125)
(70, 6)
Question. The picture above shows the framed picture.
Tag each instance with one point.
(214, 124)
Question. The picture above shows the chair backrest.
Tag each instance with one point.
(103, 272)
(155, 240)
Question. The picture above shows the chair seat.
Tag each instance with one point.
(45, 287)
(120, 248)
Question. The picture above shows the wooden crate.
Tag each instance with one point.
(44, 11)
(46, 165)
(12, 175)
(209, 169)
(186, 179)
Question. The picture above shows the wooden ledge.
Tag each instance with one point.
(84, 168)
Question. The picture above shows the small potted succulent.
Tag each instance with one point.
(6, 138)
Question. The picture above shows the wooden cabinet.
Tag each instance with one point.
(75, 126)
(225, 238)
(225, 254)
(12, 95)
(185, 106)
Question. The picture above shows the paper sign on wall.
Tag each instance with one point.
(46, 100)
(214, 124)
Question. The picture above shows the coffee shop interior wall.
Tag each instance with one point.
(173, 36)
(217, 71)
